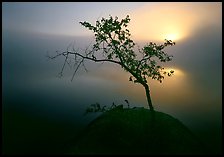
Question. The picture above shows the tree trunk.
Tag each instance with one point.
(152, 119)
(148, 97)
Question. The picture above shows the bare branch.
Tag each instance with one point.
(76, 70)
(93, 59)
(83, 64)
(64, 64)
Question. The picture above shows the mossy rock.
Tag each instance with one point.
(136, 131)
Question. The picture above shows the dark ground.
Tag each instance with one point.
(25, 133)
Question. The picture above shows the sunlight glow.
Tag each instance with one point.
(177, 72)
(176, 21)
(172, 37)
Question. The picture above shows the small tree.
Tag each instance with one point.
(113, 44)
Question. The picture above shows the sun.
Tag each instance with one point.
(172, 21)
(171, 36)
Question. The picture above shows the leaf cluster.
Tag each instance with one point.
(112, 37)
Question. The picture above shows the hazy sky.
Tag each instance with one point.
(31, 29)
(60, 18)
(149, 20)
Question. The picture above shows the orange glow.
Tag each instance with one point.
(174, 21)
(172, 37)
(177, 72)
(135, 92)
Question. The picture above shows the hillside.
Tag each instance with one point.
(134, 131)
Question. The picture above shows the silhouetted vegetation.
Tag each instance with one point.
(98, 108)
(113, 44)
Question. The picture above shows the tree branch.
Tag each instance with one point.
(76, 69)
(79, 62)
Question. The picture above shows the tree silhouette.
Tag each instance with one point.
(113, 44)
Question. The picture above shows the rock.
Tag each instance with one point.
(135, 131)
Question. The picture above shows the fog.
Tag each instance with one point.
(31, 84)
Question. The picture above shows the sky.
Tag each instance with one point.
(60, 18)
(30, 82)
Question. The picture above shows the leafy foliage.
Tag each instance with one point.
(114, 39)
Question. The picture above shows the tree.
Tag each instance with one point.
(113, 44)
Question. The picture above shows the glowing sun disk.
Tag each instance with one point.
(172, 37)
